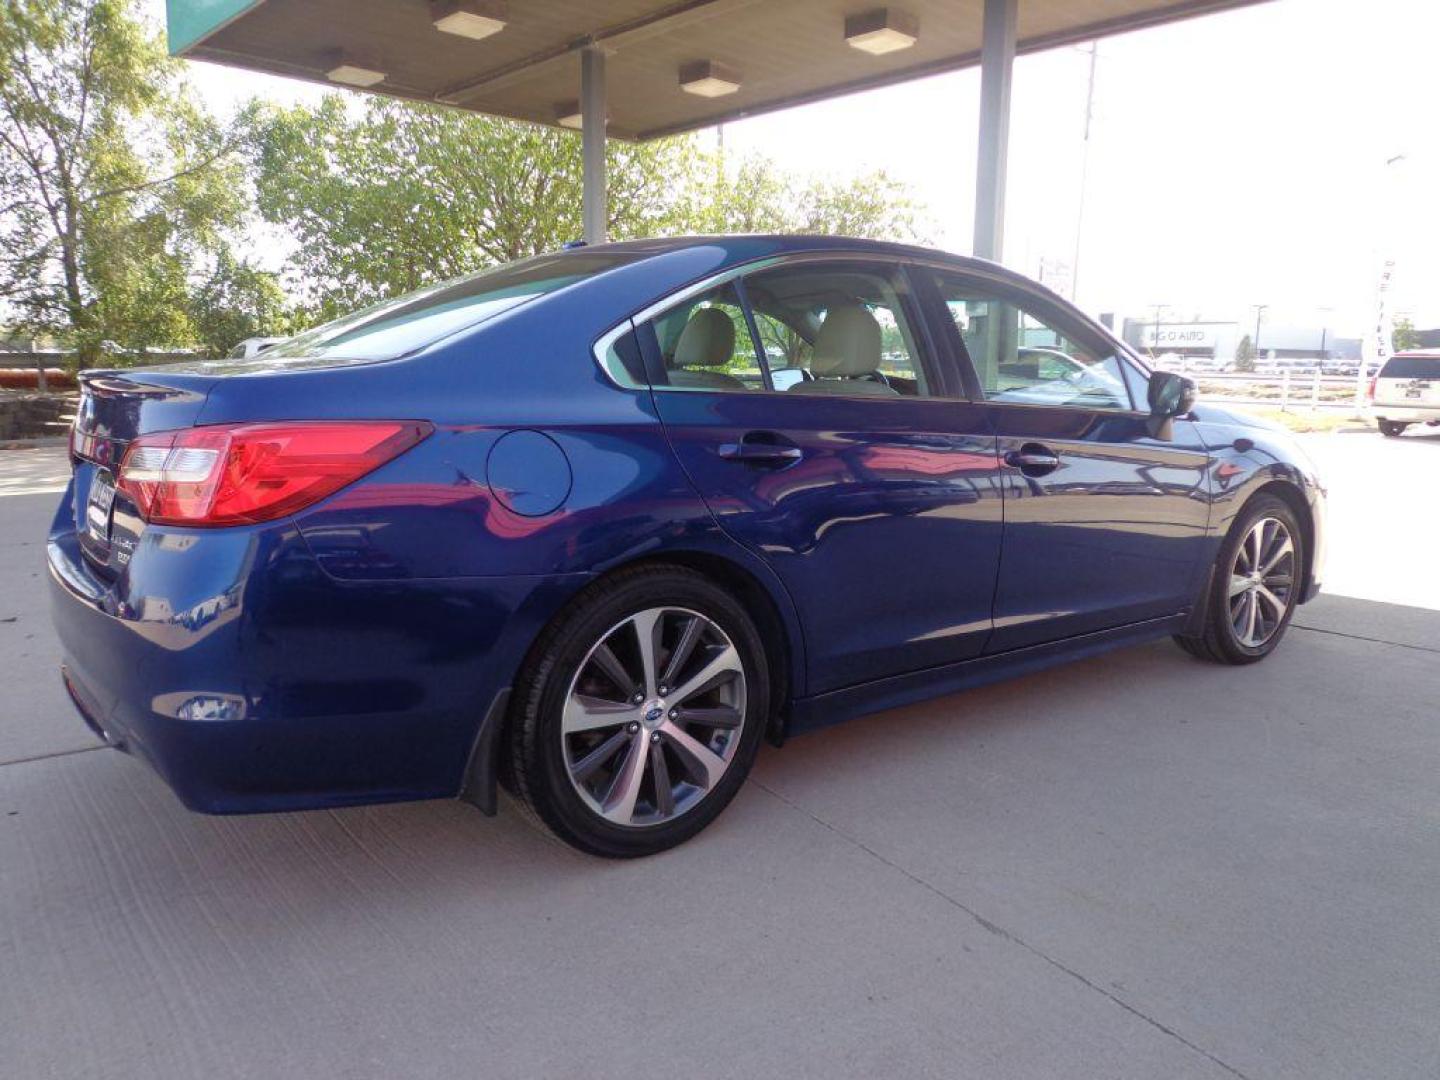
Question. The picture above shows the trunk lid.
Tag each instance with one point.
(115, 407)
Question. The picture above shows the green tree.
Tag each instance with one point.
(1245, 354)
(238, 301)
(401, 195)
(871, 205)
(1403, 336)
(116, 190)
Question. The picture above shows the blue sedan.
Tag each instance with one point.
(593, 524)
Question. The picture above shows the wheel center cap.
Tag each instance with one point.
(652, 713)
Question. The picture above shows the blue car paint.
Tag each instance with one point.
(1128, 508)
(914, 486)
(355, 652)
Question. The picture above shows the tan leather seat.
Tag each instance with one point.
(847, 349)
(708, 341)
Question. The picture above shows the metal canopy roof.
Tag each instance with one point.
(784, 52)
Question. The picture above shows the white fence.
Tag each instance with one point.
(1285, 391)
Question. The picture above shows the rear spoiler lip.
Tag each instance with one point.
(110, 382)
(90, 441)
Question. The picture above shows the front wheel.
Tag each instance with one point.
(1255, 586)
(1392, 428)
(640, 712)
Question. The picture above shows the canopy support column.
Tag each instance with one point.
(592, 136)
(997, 61)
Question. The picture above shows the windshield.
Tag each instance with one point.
(396, 327)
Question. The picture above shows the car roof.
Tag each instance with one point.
(746, 244)
(723, 252)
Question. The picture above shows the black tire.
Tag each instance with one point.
(537, 768)
(1392, 428)
(1220, 643)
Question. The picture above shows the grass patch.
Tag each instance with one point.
(1303, 420)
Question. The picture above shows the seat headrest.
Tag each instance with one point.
(708, 340)
(848, 343)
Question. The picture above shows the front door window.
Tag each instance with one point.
(1024, 358)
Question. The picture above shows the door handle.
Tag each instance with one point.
(755, 452)
(1033, 459)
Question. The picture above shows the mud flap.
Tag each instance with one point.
(482, 770)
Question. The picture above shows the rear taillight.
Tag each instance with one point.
(1370, 392)
(245, 473)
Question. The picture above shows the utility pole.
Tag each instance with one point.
(1260, 310)
(1084, 173)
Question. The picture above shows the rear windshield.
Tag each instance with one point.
(1411, 367)
(396, 327)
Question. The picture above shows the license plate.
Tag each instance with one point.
(1413, 393)
(97, 508)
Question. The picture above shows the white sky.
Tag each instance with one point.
(1234, 160)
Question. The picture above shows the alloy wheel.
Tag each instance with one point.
(1262, 578)
(653, 716)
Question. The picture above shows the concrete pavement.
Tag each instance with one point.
(1139, 866)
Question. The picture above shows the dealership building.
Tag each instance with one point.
(1217, 341)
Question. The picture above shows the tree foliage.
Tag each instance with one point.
(119, 192)
(1245, 354)
(386, 199)
(238, 301)
(127, 210)
(1403, 335)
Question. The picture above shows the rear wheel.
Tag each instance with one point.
(1255, 586)
(641, 713)
(1392, 428)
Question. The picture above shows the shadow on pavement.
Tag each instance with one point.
(1139, 865)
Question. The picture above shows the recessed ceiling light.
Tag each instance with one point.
(349, 71)
(881, 31)
(474, 19)
(708, 78)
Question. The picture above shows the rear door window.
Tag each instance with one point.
(705, 344)
(805, 328)
(838, 328)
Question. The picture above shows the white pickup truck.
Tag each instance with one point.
(1406, 391)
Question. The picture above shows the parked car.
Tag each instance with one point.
(252, 346)
(1406, 390)
(557, 525)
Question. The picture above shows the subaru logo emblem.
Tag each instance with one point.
(654, 714)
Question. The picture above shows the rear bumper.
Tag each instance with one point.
(252, 681)
(1408, 414)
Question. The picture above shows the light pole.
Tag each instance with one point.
(1155, 336)
(1260, 310)
(1084, 174)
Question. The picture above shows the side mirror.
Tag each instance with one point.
(1170, 395)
